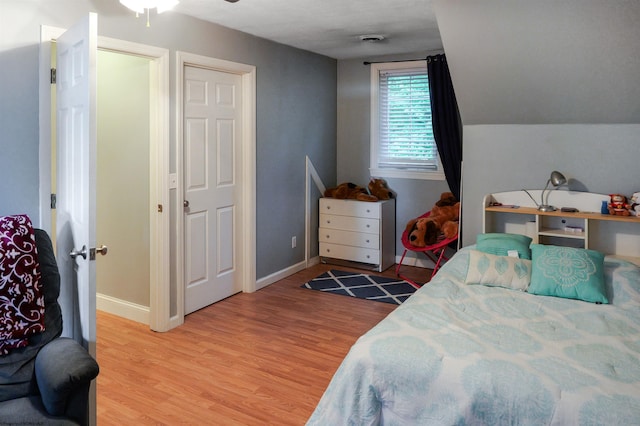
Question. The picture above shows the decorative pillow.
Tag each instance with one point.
(21, 299)
(498, 271)
(500, 244)
(568, 272)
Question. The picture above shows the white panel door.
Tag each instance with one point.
(76, 180)
(212, 135)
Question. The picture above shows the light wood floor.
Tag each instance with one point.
(252, 359)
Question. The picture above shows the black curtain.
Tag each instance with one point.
(447, 128)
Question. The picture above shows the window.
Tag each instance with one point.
(402, 142)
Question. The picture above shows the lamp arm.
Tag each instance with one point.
(542, 203)
(532, 199)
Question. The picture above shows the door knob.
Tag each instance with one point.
(82, 252)
(185, 203)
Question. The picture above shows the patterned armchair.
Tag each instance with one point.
(44, 378)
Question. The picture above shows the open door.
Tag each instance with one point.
(76, 181)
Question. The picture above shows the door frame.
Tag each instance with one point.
(159, 291)
(246, 261)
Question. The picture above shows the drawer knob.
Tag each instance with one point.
(368, 211)
(368, 226)
(368, 241)
(368, 256)
(328, 221)
(328, 237)
(328, 207)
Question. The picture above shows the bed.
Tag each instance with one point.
(462, 353)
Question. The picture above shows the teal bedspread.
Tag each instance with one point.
(456, 354)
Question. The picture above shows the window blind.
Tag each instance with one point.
(405, 128)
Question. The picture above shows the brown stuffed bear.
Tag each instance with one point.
(425, 231)
(349, 191)
(379, 189)
(446, 199)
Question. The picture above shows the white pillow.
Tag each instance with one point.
(498, 271)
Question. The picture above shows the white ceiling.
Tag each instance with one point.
(328, 27)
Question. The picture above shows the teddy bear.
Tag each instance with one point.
(379, 189)
(446, 199)
(349, 191)
(618, 205)
(425, 231)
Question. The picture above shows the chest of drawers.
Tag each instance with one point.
(358, 231)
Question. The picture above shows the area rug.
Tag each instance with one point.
(362, 286)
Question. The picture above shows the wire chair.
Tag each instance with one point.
(435, 252)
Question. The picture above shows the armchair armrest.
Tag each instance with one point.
(62, 367)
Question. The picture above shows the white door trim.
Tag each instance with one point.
(247, 188)
(159, 309)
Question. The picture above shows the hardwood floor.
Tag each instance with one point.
(252, 359)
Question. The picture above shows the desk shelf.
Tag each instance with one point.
(561, 233)
(518, 215)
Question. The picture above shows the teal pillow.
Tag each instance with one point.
(501, 244)
(568, 272)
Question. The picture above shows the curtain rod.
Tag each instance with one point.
(401, 60)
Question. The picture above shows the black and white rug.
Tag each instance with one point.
(362, 286)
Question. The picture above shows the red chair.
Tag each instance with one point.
(435, 252)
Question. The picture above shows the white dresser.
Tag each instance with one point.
(358, 231)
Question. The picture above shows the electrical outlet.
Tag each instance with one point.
(293, 242)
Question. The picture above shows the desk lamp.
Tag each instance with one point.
(556, 180)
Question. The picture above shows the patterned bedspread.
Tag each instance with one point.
(456, 354)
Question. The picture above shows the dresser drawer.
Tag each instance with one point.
(358, 231)
(350, 223)
(357, 254)
(349, 238)
(350, 208)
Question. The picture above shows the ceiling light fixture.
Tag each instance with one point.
(143, 6)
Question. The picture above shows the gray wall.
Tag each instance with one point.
(414, 197)
(594, 157)
(544, 86)
(296, 108)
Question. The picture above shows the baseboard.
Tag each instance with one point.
(122, 308)
(284, 273)
(313, 261)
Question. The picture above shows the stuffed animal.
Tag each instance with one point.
(425, 231)
(618, 205)
(379, 189)
(446, 199)
(422, 232)
(635, 204)
(349, 191)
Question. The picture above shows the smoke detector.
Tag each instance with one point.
(371, 38)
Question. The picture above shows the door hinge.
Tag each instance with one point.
(53, 76)
(54, 199)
